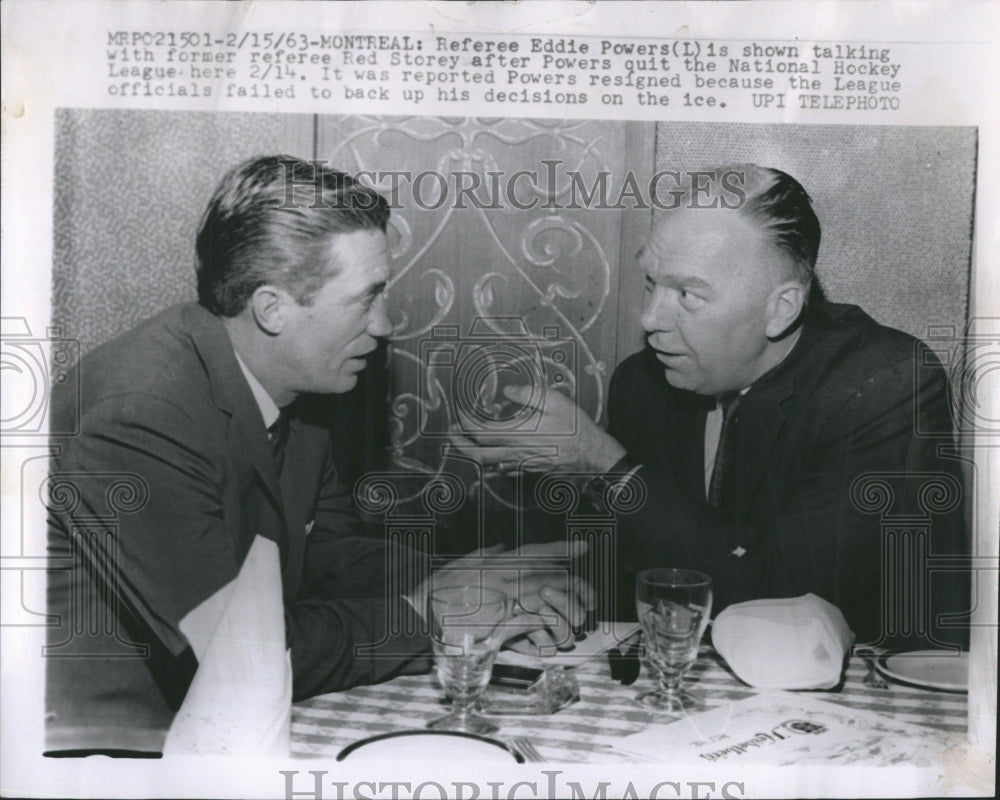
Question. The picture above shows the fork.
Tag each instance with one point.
(527, 749)
(872, 680)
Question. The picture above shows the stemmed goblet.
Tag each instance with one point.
(466, 634)
(673, 607)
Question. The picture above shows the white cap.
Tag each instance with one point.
(787, 643)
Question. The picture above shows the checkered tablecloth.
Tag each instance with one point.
(586, 731)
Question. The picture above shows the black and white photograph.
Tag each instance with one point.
(500, 454)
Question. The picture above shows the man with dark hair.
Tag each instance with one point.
(201, 493)
(269, 221)
(758, 417)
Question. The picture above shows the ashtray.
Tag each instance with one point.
(529, 692)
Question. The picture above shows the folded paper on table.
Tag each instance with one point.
(780, 729)
(604, 637)
(789, 643)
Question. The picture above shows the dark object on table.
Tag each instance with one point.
(625, 664)
(511, 676)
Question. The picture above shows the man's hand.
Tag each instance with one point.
(543, 600)
(589, 449)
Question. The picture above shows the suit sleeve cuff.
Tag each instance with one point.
(604, 491)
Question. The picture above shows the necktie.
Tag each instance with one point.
(277, 435)
(721, 473)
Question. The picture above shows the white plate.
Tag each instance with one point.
(438, 745)
(930, 669)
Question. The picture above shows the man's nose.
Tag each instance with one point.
(656, 315)
(379, 324)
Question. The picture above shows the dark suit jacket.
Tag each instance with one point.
(853, 398)
(166, 410)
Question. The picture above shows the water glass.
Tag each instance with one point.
(673, 607)
(466, 628)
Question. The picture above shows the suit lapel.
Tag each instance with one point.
(683, 429)
(298, 458)
(306, 456)
(763, 410)
(691, 441)
(250, 439)
(233, 396)
(762, 418)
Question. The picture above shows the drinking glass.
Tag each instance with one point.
(466, 636)
(673, 607)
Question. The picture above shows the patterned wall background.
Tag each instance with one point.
(485, 294)
(129, 190)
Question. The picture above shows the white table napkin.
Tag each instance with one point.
(240, 700)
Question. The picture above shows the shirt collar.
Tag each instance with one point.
(786, 360)
(720, 399)
(268, 408)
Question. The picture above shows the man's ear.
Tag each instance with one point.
(784, 305)
(267, 305)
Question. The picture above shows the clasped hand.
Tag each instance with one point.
(564, 438)
(545, 603)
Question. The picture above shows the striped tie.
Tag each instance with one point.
(277, 435)
(722, 471)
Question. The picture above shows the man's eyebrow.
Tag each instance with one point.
(693, 281)
(371, 290)
(687, 281)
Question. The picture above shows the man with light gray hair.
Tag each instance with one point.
(755, 415)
